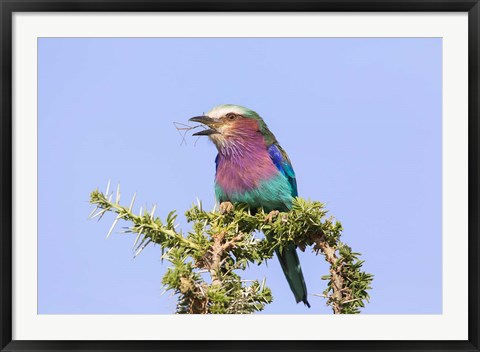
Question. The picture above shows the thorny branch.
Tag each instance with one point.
(223, 243)
(340, 294)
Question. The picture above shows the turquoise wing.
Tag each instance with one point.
(283, 164)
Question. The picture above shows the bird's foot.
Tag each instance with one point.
(226, 207)
(271, 215)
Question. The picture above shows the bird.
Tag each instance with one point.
(252, 168)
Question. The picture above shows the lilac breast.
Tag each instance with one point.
(243, 170)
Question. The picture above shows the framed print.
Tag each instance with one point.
(291, 176)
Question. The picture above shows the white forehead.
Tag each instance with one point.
(222, 110)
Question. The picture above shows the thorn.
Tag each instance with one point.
(101, 216)
(113, 226)
(108, 188)
(117, 199)
(99, 213)
(142, 248)
(153, 211)
(137, 252)
(136, 239)
(93, 212)
(131, 203)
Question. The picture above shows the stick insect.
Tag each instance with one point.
(183, 129)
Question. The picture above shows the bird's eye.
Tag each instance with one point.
(231, 117)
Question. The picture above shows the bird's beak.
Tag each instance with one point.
(207, 121)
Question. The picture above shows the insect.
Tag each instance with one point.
(183, 129)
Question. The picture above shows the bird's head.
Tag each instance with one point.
(229, 124)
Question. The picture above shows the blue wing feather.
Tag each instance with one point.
(281, 161)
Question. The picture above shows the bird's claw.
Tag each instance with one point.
(271, 215)
(226, 207)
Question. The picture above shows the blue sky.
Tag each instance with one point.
(359, 118)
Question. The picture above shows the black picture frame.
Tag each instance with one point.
(8, 7)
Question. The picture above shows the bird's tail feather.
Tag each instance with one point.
(293, 272)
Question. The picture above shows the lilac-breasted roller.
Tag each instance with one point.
(252, 168)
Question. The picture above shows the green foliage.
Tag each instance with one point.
(355, 281)
(223, 244)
